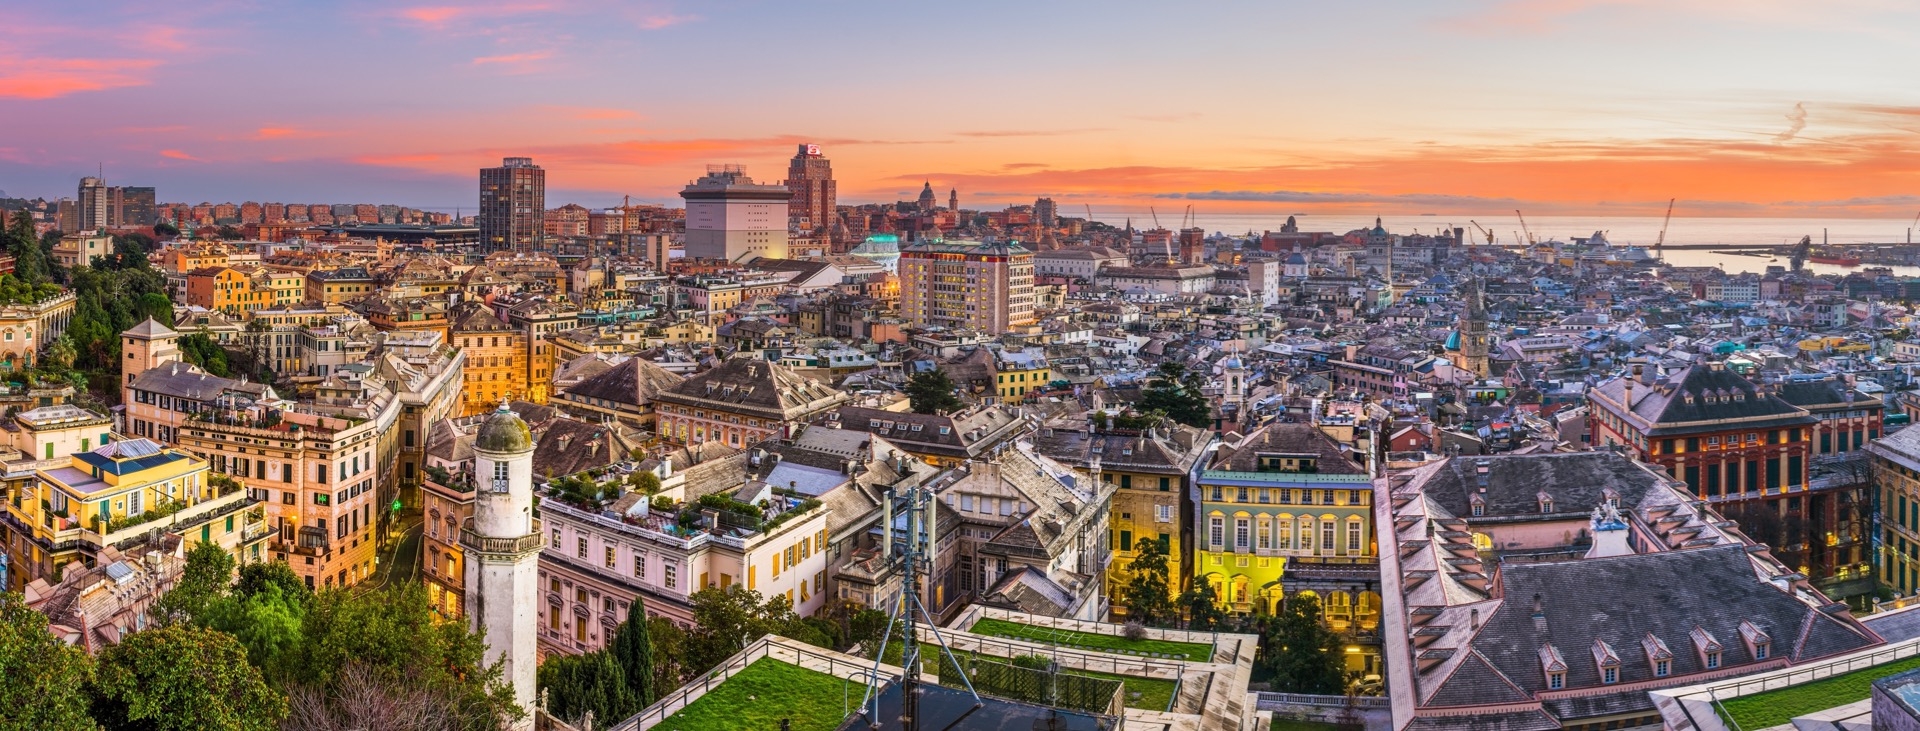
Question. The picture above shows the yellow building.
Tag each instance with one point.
(1019, 372)
(119, 494)
(497, 359)
(225, 289)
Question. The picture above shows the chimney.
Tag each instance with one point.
(1473, 619)
(1539, 614)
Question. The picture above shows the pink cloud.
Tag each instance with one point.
(47, 78)
(513, 59)
(177, 155)
(434, 16)
(657, 22)
(286, 133)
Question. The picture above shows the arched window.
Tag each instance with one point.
(1306, 534)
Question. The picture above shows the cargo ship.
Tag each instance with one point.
(1845, 261)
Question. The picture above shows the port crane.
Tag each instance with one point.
(1659, 242)
(1523, 226)
(1483, 231)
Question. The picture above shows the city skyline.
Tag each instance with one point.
(1784, 109)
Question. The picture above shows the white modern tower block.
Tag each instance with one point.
(502, 543)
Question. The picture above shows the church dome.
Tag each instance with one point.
(503, 432)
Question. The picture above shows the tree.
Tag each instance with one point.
(165, 230)
(256, 577)
(644, 482)
(209, 568)
(29, 260)
(185, 678)
(42, 679)
(1147, 594)
(632, 648)
(269, 621)
(669, 655)
(202, 351)
(1177, 393)
(931, 392)
(725, 620)
(1202, 606)
(361, 701)
(396, 634)
(591, 683)
(1299, 652)
(60, 355)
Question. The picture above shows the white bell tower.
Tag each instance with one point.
(502, 544)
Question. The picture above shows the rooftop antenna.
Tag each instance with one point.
(908, 519)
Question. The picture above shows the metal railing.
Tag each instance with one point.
(529, 543)
(853, 672)
(1275, 701)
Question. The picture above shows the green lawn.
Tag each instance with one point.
(1777, 707)
(1151, 694)
(1192, 651)
(755, 699)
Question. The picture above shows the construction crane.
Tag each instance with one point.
(1089, 213)
(1659, 242)
(1910, 227)
(1156, 216)
(1523, 225)
(1483, 231)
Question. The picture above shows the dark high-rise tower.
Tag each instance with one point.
(513, 206)
(810, 176)
(94, 205)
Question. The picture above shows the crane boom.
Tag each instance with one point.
(1483, 231)
(1523, 225)
(1156, 216)
(1659, 242)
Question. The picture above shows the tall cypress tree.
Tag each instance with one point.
(632, 648)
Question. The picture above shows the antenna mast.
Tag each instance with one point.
(908, 519)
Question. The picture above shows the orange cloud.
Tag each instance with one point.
(286, 133)
(47, 78)
(436, 16)
(177, 155)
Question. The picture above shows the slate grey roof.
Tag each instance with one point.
(1623, 599)
(634, 382)
(749, 384)
(1289, 438)
(960, 435)
(1705, 392)
(1169, 450)
(1577, 482)
(182, 380)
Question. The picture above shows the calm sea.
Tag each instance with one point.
(1621, 231)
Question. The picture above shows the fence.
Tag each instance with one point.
(965, 644)
(1064, 635)
(1714, 694)
(858, 672)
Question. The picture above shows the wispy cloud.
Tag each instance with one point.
(667, 20)
(177, 155)
(514, 62)
(1029, 132)
(48, 78)
(1796, 121)
(287, 133)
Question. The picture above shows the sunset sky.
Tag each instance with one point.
(1749, 107)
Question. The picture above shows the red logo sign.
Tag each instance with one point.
(813, 150)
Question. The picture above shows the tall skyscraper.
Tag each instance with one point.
(733, 218)
(513, 206)
(810, 176)
(984, 286)
(94, 206)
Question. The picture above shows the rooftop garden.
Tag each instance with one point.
(1779, 707)
(1191, 651)
(763, 694)
(1004, 677)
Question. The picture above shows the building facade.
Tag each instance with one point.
(984, 286)
(513, 205)
(810, 177)
(731, 217)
